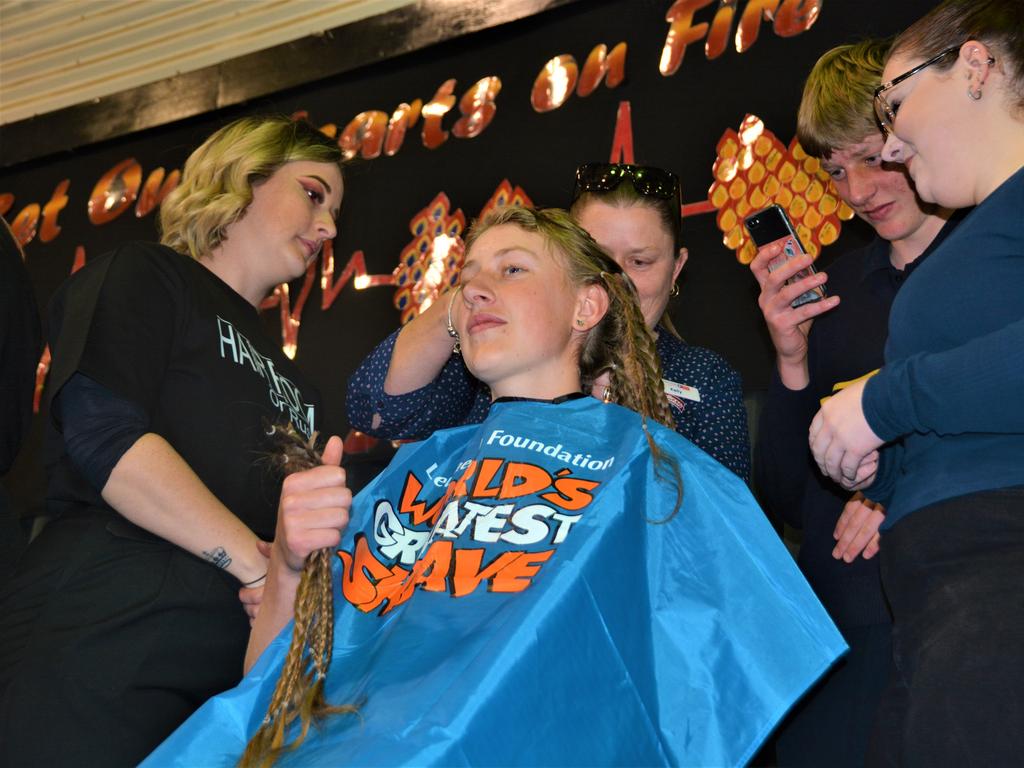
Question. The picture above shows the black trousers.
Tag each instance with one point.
(109, 639)
(954, 575)
(831, 726)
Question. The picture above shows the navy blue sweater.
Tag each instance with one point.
(950, 391)
(843, 344)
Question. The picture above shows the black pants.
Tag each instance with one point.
(954, 575)
(109, 639)
(831, 725)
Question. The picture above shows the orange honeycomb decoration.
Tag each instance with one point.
(753, 170)
(430, 263)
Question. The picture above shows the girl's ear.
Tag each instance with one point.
(591, 305)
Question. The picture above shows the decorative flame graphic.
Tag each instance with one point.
(431, 261)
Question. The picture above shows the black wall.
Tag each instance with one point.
(676, 120)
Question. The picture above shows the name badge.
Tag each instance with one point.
(683, 391)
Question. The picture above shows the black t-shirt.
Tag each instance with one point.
(161, 330)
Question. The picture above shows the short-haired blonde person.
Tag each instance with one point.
(817, 346)
(124, 614)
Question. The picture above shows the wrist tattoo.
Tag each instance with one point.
(219, 557)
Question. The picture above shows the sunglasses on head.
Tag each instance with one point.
(647, 180)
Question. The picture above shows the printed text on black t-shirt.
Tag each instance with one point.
(284, 395)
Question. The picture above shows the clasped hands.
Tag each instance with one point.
(843, 444)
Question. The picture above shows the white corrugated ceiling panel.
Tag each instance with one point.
(55, 53)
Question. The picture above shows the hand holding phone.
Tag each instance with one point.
(773, 226)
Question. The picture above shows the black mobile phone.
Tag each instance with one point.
(772, 225)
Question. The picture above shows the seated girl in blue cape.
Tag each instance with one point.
(569, 582)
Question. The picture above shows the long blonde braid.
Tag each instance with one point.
(636, 378)
(300, 687)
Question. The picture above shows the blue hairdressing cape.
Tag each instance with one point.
(518, 592)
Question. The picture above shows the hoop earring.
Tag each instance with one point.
(975, 95)
(675, 290)
(451, 328)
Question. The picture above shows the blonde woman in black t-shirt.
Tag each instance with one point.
(124, 615)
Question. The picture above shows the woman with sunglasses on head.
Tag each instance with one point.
(124, 614)
(947, 403)
(412, 384)
(498, 599)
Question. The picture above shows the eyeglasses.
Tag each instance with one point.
(646, 180)
(884, 111)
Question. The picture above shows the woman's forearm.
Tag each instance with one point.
(276, 609)
(421, 349)
(153, 487)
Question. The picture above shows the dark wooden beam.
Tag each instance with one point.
(232, 82)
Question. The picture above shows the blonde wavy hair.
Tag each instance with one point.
(218, 179)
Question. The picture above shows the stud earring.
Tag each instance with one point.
(579, 322)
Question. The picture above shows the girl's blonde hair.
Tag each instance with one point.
(218, 178)
(299, 692)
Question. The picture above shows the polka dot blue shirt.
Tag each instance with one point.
(712, 415)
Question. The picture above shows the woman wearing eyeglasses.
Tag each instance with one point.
(412, 384)
(947, 404)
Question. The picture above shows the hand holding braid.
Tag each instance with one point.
(299, 692)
